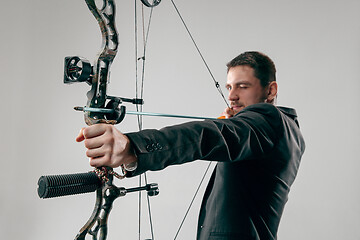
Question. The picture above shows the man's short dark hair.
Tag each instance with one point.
(264, 67)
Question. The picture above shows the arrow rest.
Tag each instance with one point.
(118, 113)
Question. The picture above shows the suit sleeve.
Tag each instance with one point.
(248, 135)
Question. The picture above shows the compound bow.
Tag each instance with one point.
(101, 108)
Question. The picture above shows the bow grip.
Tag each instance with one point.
(67, 184)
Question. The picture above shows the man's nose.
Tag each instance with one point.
(232, 95)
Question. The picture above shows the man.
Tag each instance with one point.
(258, 149)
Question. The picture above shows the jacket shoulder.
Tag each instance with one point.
(265, 111)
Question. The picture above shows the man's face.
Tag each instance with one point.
(244, 88)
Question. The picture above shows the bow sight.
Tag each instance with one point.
(78, 69)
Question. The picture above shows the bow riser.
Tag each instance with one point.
(97, 94)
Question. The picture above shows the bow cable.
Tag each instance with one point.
(217, 85)
(139, 94)
(140, 108)
(192, 200)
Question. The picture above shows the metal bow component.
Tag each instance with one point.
(106, 193)
(101, 108)
(148, 4)
(96, 226)
(78, 69)
(97, 94)
(111, 111)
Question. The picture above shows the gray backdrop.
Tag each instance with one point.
(316, 48)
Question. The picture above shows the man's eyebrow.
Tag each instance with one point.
(241, 82)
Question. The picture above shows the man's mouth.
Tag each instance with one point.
(237, 107)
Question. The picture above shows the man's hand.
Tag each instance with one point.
(228, 113)
(106, 146)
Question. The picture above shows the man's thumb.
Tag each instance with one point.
(81, 136)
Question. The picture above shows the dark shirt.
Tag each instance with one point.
(258, 153)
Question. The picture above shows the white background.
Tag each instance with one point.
(315, 45)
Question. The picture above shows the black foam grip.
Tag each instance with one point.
(67, 184)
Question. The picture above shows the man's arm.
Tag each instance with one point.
(249, 134)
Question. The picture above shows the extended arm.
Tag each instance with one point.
(249, 134)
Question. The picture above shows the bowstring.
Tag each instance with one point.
(216, 83)
(192, 200)
(139, 94)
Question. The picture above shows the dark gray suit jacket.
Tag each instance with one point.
(258, 153)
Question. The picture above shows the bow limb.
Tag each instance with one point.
(97, 94)
(96, 226)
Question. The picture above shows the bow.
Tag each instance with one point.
(101, 108)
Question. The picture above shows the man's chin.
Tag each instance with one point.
(237, 109)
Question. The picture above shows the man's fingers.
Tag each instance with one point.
(94, 130)
(93, 143)
(101, 161)
(96, 152)
(80, 136)
(228, 113)
(96, 162)
(90, 132)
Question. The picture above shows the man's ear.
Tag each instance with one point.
(271, 92)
